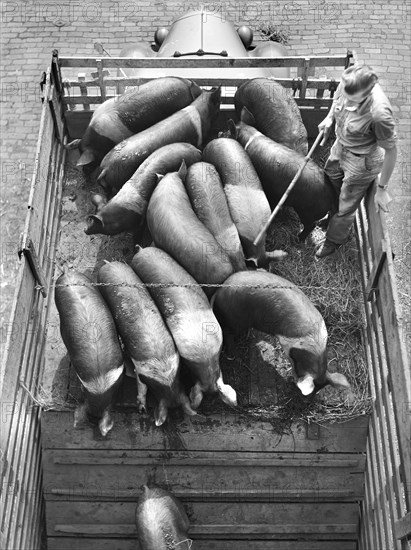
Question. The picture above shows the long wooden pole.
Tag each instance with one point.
(288, 190)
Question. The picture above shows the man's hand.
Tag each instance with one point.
(382, 198)
(325, 126)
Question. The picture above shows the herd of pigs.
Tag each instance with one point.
(202, 274)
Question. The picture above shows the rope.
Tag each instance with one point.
(188, 541)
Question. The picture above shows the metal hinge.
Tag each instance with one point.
(27, 248)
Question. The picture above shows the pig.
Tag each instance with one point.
(90, 336)
(191, 125)
(274, 305)
(190, 319)
(126, 211)
(176, 229)
(273, 111)
(312, 197)
(206, 193)
(138, 108)
(161, 521)
(246, 199)
(146, 339)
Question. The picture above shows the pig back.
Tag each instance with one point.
(137, 317)
(206, 193)
(181, 301)
(312, 196)
(275, 112)
(176, 229)
(266, 302)
(190, 124)
(87, 326)
(248, 204)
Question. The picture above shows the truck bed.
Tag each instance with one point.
(277, 470)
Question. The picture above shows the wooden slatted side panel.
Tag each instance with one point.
(387, 496)
(102, 82)
(22, 501)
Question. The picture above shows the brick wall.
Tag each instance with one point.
(377, 30)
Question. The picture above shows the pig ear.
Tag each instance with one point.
(306, 384)
(160, 413)
(159, 177)
(86, 158)
(98, 200)
(232, 128)
(227, 394)
(337, 380)
(94, 225)
(195, 90)
(105, 424)
(75, 144)
(182, 171)
(216, 94)
(100, 179)
(247, 117)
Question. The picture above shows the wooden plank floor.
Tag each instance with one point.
(239, 479)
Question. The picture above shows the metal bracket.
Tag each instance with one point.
(372, 285)
(27, 248)
(296, 85)
(95, 75)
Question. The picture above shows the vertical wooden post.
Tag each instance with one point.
(101, 79)
(55, 70)
(304, 76)
(83, 89)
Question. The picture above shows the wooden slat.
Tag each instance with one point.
(62, 543)
(230, 531)
(83, 90)
(333, 517)
(202, 479)
(100, 79)
(91, 100)
(289, 494)
(225, 63)
(81, 82)
(54, 105)
(228, 431)
(214, 458)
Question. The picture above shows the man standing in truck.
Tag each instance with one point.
(365, 150)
